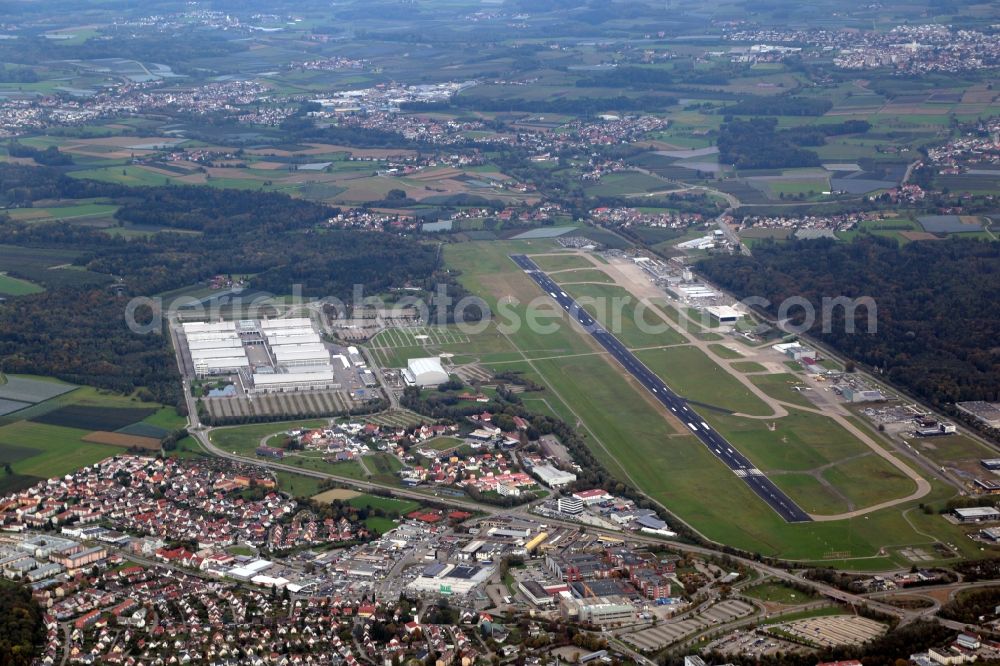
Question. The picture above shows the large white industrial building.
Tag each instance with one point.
(299, 359)
(424, 372)
(317, 379)
(215, 348)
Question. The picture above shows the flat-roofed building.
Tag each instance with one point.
(552, 476)
(597, 611)
(221, 366)
(294, 381)
(208, 327)
(977, 514)
(231, 342)
(292, 322)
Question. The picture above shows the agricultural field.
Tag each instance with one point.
(12, 286)
(389, 504)
(628, 183)
(49, 427)
(44, 267)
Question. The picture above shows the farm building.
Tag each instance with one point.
(424, 372)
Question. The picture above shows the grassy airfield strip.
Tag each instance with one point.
(811, 458)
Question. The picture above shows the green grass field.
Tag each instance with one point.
(245, 439)
(12, 286)
(402, 507)
(561, 263)
(782, 387)
(725, 352)
(689, 372)
(442, 443)
(748, 366)
(380, 525)
(58, 450)
(635, 440)
(779, 594)
(624, 315)
(127, 175)
(627, 182)
(951, 449)
(582, 275)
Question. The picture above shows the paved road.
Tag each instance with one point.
(716, 443)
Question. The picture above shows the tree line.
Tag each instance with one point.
(936, 323)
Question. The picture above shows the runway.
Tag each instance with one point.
(716, 443)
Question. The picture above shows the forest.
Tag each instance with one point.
(757, 144)
(779, 106)
(936, 324)
(77, 331)
(20, 625)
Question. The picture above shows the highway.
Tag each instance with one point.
(716, 443)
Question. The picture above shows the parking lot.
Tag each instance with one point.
(835, 630)
(663, 635)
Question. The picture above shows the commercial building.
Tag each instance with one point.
(977, 514)
(424, 372)
(599, 611)
(449, 579)
(570, 505)
(552, 476)
(593, 496)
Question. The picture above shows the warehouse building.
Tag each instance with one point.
(208, 327)
(424, 372)
(294, 322)
(206, 367)
(319, 380)
(553, 477)
(301, 355)
(215, 343)
(724, 313)
(977, 514)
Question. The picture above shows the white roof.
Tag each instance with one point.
(724, 312)
(293, 338)
(289, 351)
(421, 365)
(227, 362)
(224, 352)
(974, 511)
(321, 357)
(205, 327)
(549, 474)
(295, 322)
(224, 343)
(293, 378)
(212, 335)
